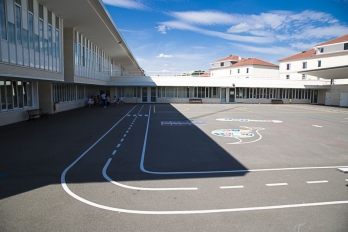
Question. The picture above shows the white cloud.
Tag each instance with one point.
(164, 56)
(227, 36)
(275, 50)
(204, 17)
(303, 46)
(163, 29)
(129, 4)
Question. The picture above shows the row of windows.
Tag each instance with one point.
(17, 34)
(90, 56)
(188, 92)
(304, 65)
(15, 95)
(272, 93)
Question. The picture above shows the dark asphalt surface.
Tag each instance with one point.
(151, 168)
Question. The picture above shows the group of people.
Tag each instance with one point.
(104, 100)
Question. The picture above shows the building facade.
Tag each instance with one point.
(54, 58)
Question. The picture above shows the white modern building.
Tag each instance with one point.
(54, 54)
(327, 61)
(53, 58)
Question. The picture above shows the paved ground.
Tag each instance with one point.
(180, 167)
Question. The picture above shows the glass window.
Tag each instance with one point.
(25, 38)
(25, 96)
(40, 11)
(2, 95)
(29, 94)
(15, 94)
(41, 39)
(30, 6)
(37, 43)
(57, 43)
(3, 20)
(50, 40)
(247, 70)
(18, 26)
(345, 46)
(304, 65)
(9, 95)
(169, 91)
(287, 66)
(11, 33)
(31, 31)
(319, 63)
(20, 94)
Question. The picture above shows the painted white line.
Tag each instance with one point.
(317, 182)
(139, 188)
(140, 115)
(134, 115)
(114, 209)
(114, 152)
(118, 145)
(345, 170)
(146, 115)
(128, 115)
(232, 187)
(317, 126)
(142, 168)
(346, 179)
(128, 130)
(121, 140)
(124, 135)
(276, 184)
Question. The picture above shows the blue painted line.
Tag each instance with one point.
(2, 175)
(328, 120)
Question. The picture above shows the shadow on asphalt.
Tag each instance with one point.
(35, 154)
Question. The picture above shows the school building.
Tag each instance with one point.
(55, 54)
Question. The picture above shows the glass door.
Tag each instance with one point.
(153, 94)
(314, 98)
(223, 94)
(144, 94)
(232, 91)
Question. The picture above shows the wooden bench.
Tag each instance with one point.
(36, 113)
(195, 100)
(277, 101)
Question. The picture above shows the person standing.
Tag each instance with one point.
(103, 98)
(121, 101)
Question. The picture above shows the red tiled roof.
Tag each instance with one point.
(231, 57)
(333, 41)
(304, 54)
(207, 74)
(253, 61)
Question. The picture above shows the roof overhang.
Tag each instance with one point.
(340, 72)
(91, 18)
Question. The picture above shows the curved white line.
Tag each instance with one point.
(67, 190)
(142, 168)
(138, 188)
(238, 143)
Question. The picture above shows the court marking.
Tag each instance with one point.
(142, 168)
(232, 187)
(317, 182)
(114, 209)
(276, 184)
(140, 188)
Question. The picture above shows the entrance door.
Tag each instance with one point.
(223, 94)
(148, 94)
(232, 91)
(153, 94)
(314, 99)
(144, 94)
(328, 99)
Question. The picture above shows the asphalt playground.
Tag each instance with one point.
(177, 167)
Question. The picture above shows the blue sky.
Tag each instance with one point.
(187, 35)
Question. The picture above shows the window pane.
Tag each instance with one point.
(11, 33)
(18, 26)
(3, 20)
(29, 94)
(9, 94)
(31, 31)
(3, 95)
(15, 94)
(41, 39)
(20, 94)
